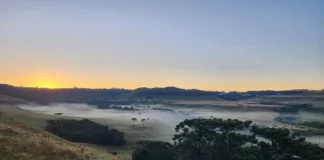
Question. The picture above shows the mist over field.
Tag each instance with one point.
(159, 125)
(166, 117)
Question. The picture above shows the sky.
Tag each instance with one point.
(205, 44)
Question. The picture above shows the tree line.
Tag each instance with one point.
(124, 96)
(231, 139)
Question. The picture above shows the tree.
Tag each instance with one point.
(134, 119)
(59, 114)
(153, 150)
(210, 138)
(231, 139)
(286, 145)
(143, 121)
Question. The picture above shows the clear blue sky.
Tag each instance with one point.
(206, 44)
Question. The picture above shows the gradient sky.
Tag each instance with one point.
(206, 44)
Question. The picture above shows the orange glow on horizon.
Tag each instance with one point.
(45, 85)
(53, 80)
(223, 87)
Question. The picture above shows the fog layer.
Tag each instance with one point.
(160, 124)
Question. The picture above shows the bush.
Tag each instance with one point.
(314, 124)
(85, 131)
(294, 108)
(153, 150)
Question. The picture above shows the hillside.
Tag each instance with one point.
(146, 95)
(21, 141)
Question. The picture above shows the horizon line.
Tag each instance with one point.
(75, 87)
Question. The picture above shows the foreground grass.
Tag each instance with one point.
(22, 142)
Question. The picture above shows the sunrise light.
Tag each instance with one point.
(45, 85)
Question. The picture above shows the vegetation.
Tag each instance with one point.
(270, 103)
(287, 119)
(20, 141)
(207, 139)
(105, 104)
(314, 124)
(85, 131)
(134, 119)
(116, 107)
(294, 108)
(143, 121)
(164, 109)
(124, 96)
(153, 150)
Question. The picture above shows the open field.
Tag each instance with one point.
(316, 99)
(161, 124)
(242, 104)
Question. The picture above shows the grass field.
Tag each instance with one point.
(316, 99)
(22, 137)
(22, 141)
(160, 126)
(134, 132)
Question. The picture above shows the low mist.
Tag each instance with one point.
(160, 124)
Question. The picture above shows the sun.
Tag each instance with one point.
(45, 85)
(44, 80)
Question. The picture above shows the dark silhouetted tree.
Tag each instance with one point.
(134, 119)
(153, 150)
(209, 139)
(286, 145)
(143, 121)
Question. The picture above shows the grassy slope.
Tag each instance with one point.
(19, 141)
(133, 132)
(317, 99)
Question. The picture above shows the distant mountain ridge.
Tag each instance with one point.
(84, 95)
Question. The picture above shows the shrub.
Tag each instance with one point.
(85, 131)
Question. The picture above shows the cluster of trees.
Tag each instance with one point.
(143, 120)
(116, 107)
(122, 108)
(107, 103)
(151, 100)
(270, 103)
(211, 139)
(287, 119)
(171, 92)
(85, 131)
(104, 104)
(234, 96)
(164, 109)
(294, 108)
(314, 124)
